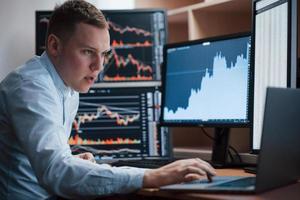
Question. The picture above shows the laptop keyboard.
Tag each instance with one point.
(219, 182)
(244, 182)
(142, 163)
(202, 181)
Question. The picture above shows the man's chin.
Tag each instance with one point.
(82, 89)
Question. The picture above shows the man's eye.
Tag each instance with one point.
(107, 54)
(88, 52)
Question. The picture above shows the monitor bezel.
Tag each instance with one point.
(205, 123)
(292, 45)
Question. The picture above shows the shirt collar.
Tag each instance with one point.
(59, 83)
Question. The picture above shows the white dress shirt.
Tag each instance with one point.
(36, 114)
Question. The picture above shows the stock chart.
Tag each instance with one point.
(214, 79)
(118, 122)
(137, 39)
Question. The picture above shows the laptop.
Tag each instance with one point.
(279, 158)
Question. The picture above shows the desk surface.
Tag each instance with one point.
(290, 192)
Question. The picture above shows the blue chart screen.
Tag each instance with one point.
(208, 82)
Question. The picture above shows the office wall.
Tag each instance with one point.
(17, 32)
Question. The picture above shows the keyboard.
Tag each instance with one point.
(146, 163)
(245, 182)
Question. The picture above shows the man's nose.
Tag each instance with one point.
(97, 64)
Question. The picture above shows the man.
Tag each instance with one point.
(38, 103)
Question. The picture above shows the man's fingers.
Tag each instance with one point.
(87, 156)
(195, 162)
(194, 170)
(179, 171)
(204, 166)
(192, 177)
(90, 157)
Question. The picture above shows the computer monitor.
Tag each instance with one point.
(274, 53)
(207, 83)
(120, 123)
(137, 39)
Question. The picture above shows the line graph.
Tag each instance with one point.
(205, 73)
(103, 110)
(138, 31)
(102, 152)
(126, 67)
(137, 39)
(108, 117)
(118, 118)
(115, 44)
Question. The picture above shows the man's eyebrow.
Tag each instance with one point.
(96, 50)
(107, 51)
(89, 47)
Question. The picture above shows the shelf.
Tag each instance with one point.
(166, 4)
(210, 18)
(201, 5)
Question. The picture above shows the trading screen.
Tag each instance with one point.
(119, 123)
(207, 82)
(137, 40)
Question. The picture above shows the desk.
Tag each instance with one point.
(290, 192)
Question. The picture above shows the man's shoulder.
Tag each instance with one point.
(33, 70)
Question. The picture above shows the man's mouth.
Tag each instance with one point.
(91, 78)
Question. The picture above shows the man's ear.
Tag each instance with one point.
(53, 45)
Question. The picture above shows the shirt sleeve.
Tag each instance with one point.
(35, 113)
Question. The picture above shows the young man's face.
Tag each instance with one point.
(80, 59)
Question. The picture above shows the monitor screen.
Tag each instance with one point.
(207, 82)
(274, 55)
(137, 39)
(119, 122)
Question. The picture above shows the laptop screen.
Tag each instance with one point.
(119, 122)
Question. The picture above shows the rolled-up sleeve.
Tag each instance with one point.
(37, 117)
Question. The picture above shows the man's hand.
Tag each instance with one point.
(86, 156)
(178, 172)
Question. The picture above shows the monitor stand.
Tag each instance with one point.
(220, 148)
